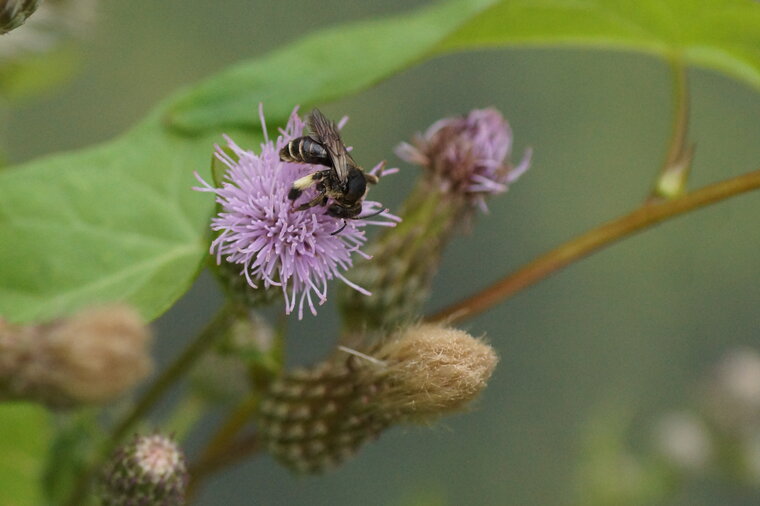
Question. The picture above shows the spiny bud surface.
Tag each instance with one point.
(150, 471)
(315, 419)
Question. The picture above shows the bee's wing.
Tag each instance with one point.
(327, 134)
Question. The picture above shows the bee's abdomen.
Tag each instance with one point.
(305, 150)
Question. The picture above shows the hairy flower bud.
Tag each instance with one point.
(315, 419)
(91, 357)
(13, 13)
(464, 161)
(430, 370)
(149, 470)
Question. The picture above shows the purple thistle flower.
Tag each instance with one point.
(468, 154)
(260, 229)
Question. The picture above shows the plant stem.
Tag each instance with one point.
(218, 448)
(207, 337)
(224, 449)
(675, 170)
(645, 216)
(235, 451)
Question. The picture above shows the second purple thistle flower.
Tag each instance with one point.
(260, 229)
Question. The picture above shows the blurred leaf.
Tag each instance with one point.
(722, 35)
(37, 73)
(115, 222)
(718, 34)
(73, 444)
(219, 168)
(324, 66)
(24, 435)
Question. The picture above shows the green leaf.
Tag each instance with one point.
(37, 73)
(324, 66)
(723, 35)
(24, 436)
(115, 222)
(718, 34)
(76, 438)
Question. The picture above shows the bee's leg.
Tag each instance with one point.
(340, 229)
(319, 199)
(371, 178)
(301, 184)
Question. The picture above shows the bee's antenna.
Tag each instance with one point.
(341, 228)
(382, 210)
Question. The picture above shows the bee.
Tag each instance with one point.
(343, 184)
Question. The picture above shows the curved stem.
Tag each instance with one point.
(234, 452)
(645, 216)
(230, 428)
(225, 447)
(207, 337)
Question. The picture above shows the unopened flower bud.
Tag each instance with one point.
(149, 470)
(430, 370)
(465, 159)
(43, 29)
(13, 13)
(91, 357)
(315, 419)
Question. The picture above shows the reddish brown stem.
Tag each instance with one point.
(645, 216)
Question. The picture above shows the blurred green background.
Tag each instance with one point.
(634, 328)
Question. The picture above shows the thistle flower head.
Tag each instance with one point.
(147, 470)
(468, 154)
(273, 243)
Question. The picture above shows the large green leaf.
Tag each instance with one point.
(326, 65)
(719, 34)
(24, 436)
(117, 222)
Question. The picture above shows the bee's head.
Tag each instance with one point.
(336, 210)
(355, 187)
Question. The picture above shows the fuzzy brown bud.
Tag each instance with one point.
(91, 357)
(313, 420)
(431, 370)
